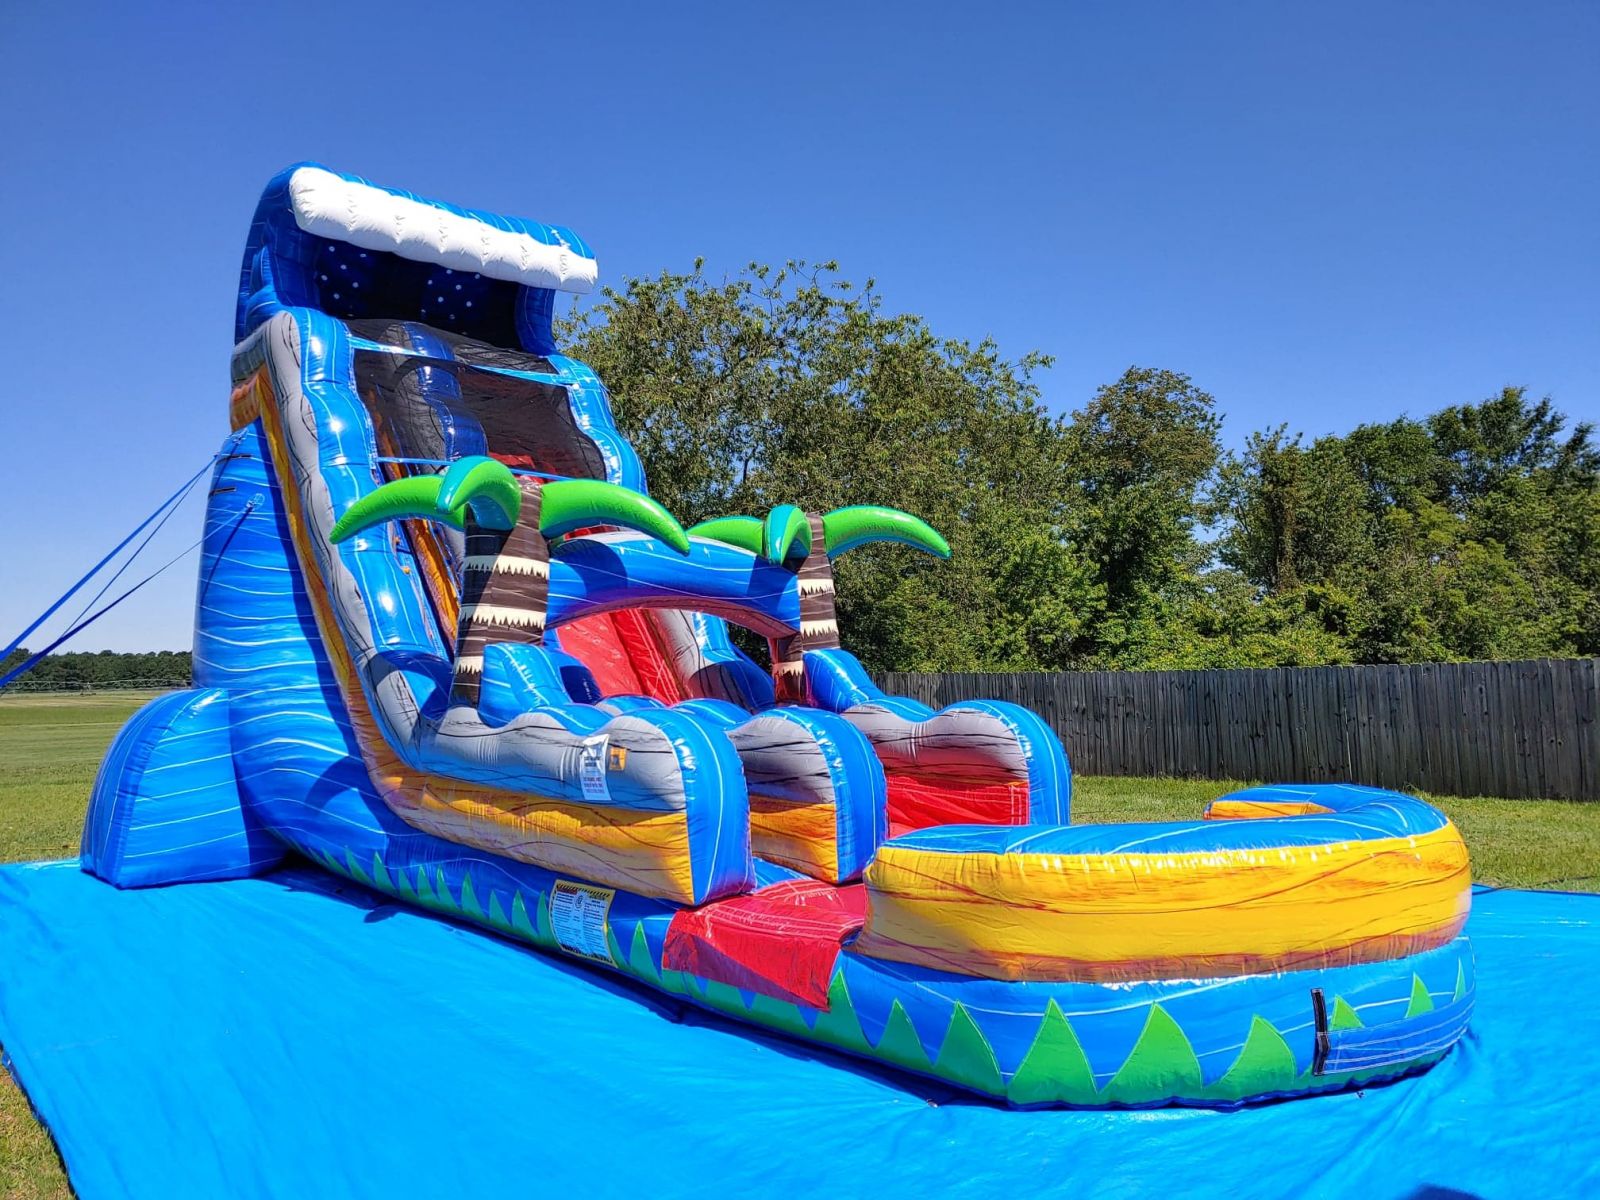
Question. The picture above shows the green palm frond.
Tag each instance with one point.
(846, 528)
(484, 485)
(413, 497)
(743, 532)
(569, 504)
(489, 491)
(785, 534)
(480, 485)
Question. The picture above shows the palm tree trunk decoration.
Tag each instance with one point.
(808, 543)
(510, 523)
(505, 588)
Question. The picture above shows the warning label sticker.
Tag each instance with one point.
(592, 768)
(579, 918)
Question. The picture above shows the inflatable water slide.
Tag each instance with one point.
(447, 646)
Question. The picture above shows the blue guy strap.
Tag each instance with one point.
(129, 561)
(170, 502)
(32, 661)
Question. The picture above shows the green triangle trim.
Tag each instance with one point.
(966, 1057)
(1055, 1070)
(403, 879)
(1461, 983)
(1161, 1065)
(441, 887)
(541, 921)
(424, 889)
(725, 996)
(354, 871)
(497, 912)
(469, 898)
(1344, 1017)
(900, 1043)
(1421, 1002)
(1265, 1065)
(675, 982)
(519, 917)
(839, 1025)
(640, 961)
(780, 1014)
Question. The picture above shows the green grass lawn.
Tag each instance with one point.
(50, 747)
(1514, 843)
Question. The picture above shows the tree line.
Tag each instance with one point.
(99, 669)
(1121, 535)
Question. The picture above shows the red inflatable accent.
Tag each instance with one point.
(918, 803)
(593, 642)
(780, 941)
(636, 631)
(624, 655)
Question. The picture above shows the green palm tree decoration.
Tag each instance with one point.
(486, 491)
(510, 523)
(807, 543)
(787, 533)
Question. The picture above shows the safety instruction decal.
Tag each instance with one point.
(579, 918)
(592, 768)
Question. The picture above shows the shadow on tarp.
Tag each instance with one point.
(379, 907)
(297, 1036)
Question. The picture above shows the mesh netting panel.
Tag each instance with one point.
(414, 335)
(436, 408)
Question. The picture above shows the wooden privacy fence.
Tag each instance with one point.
(1462, 729)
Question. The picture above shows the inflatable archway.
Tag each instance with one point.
(447, 646)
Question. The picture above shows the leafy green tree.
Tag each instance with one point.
(1506, 446)
(1118, 537)
(1470, 534)
(1524, 491)
(1298, 513)
(790, 385)
(1219, 620)
(1141, 455)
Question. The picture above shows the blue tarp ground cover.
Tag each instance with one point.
(296, 1036)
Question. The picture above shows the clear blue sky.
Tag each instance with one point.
(1324, 214)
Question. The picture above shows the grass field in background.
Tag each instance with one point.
(1552, 844)
(51, 745)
